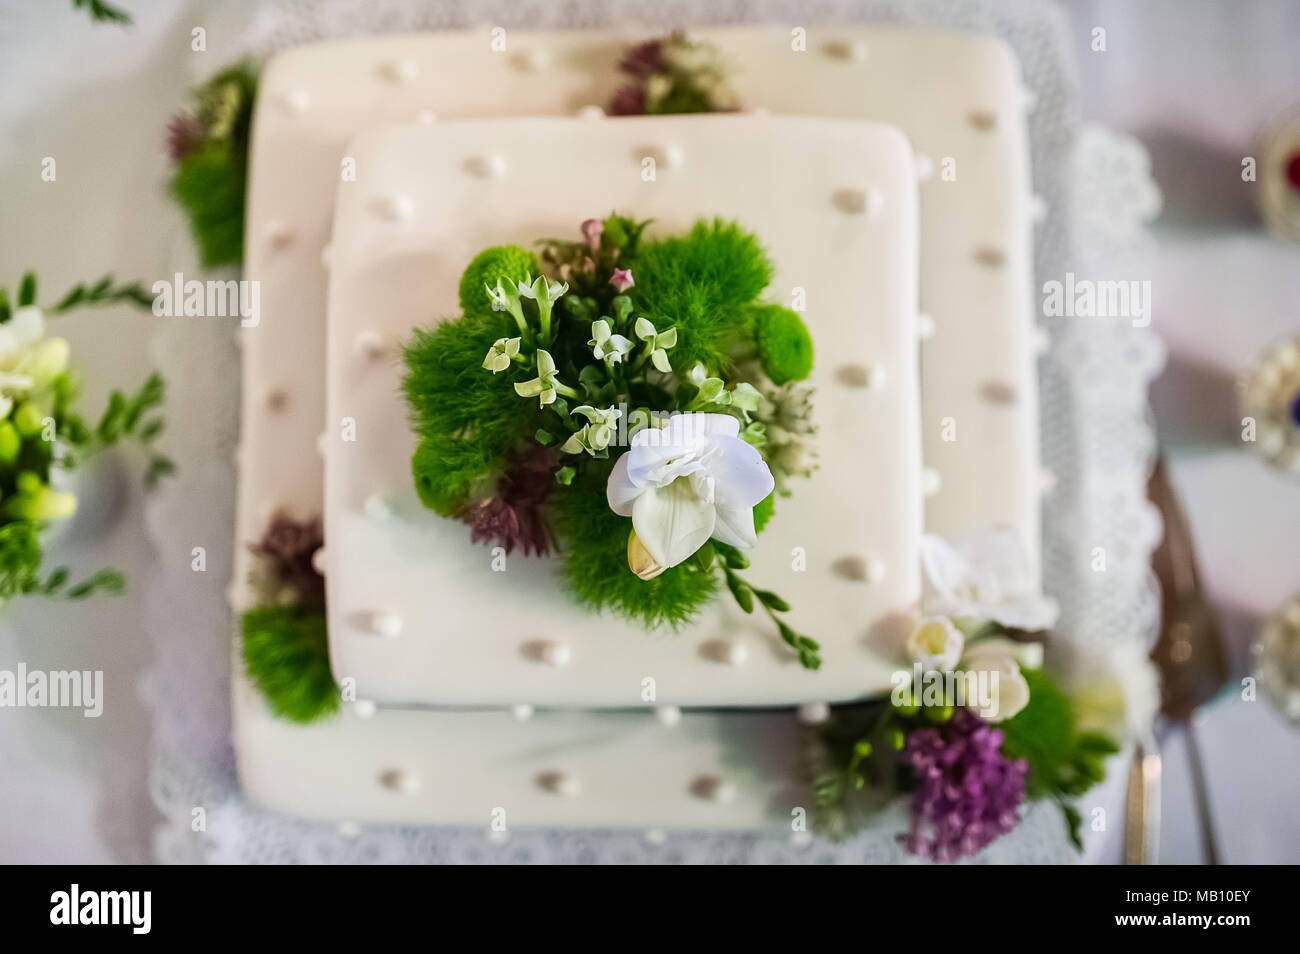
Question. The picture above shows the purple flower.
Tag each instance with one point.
(644, 59)
(967, 791)
(513, 517)
(628, 101)
(622, 279)
(591, 231)
(182, 136)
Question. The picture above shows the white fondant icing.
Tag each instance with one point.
(522, 712)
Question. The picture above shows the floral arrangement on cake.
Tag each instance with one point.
(43, 435)
(967, 769)
(286, 653)
(208, 144)
(673, 74)
(627, 403)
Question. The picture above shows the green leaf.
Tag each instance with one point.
(103, 12)
(27, 290)
(56, 580)
(104, 292)
(565, 475)
(544, 437)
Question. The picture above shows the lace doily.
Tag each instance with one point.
(1097, 444)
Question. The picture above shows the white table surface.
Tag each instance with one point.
(1195, 80)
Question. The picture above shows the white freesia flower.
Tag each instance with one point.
(985, 577)
(27, 358)
(1003, 657)
(935, 643)
(686, 482)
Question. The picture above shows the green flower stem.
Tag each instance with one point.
(568, 392)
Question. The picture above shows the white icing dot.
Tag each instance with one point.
(591, 112)
(924, 167)
(925, 326)
(1028, 99)
(296, 100)
(674, 156)
(400, 780)
(426, 117)
(875, 570)
(726, 651)
(668, 715)
(655, 836)
(522, 712)
(559, 783)
(279, 235)
(487, 167)
(376, 508)
(814, 713)
(349, 829)
(396, 207)
(318, 561)
(537, 58)
(931, 482)
(388, 625)
(998, 392)
(1037, 208)
(854, 51)
(364, 708)
(1042, 340)
(551, 653)
(369, 345)
(400, 71)
(711, 788)
(1046, 481)
(852, 201)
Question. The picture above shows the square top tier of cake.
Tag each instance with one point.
(835, 204)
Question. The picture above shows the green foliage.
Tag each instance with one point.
(785, 348)
(595, 561)
(468, 419)
(1063, 763)
(102, 292)
(126, 417)
(701, 283)
(853, 765)
(763, 511)
(490, 266)
(20, 568)
(211, 178)
(102, 12)
(287, 658)
(209, 185)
